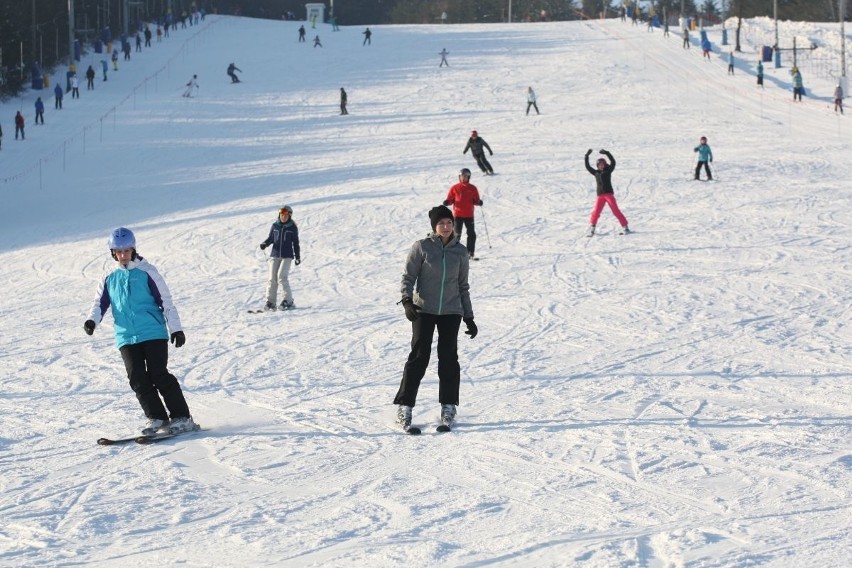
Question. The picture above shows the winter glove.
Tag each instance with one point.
(411, 309)
(589, 153)
(89, 327)
(178, 339)
(263, 246)
(446, 203)
(604, 151)
(478, 203)
(471, 327)
(298, 261)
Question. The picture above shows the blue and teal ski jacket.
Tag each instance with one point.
(705, 154)
(141, 304)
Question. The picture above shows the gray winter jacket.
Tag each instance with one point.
(435, 277)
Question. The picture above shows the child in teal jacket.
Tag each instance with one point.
(705, 156)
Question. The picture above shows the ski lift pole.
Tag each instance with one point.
(485, 224)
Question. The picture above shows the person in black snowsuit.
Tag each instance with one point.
(232, 75)
(367, 35)
(90, 77)
(477, 147)
(301, 34)
(343, 100)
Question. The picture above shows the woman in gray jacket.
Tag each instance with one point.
(435, 295)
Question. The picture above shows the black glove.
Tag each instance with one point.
(490, 153)
(589, 153)
(89, 327)
(446, 203)
(298, 261)
(471, 327)
(411, 309)
(178, 339)
(604, 151)
(263, 246)
(478, 203)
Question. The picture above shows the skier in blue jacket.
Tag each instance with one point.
(143, 315)
(705, 156)
(284, 238)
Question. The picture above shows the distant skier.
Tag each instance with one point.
(605, 192)
(798, 85)
(685, 38)
(367, 35)
(301, 34)
(284, 238)
(531, 101)
(705, 156)
(760, 74)
(144, 320)
(191, 86)
(343, 100)
(731, 63)
(477, 147)
(58, 95)
(838, 98)
(39, 111)
(463, 196)
(19, 126)
(317, 42)
(90, 78)
(444, 53)
(232, 75)
(75, 86)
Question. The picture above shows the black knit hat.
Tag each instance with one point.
(438, 213)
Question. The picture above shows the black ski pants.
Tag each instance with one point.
(706, 169)
(449, 373)
(483, 163)
(467, 222)
(149, 378)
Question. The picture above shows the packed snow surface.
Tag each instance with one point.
(676, 397)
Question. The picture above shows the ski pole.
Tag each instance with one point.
(485, 224)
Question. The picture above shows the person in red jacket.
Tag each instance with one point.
(463, 196)
(19, 125)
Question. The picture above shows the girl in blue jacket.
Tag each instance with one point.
(705, 156)
(143, 315)
(284, 238)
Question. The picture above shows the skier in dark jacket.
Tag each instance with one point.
(232, 75)
(39, 110)
(605, 193)
(343, 100)
(477, 147)
(284, 238)
(90, 78)
(19, 125)
(301, 33)
(435, 295)
(58, 94)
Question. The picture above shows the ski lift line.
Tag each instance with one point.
(81, 134)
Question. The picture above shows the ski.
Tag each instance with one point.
(115, 441)
(142, 439)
